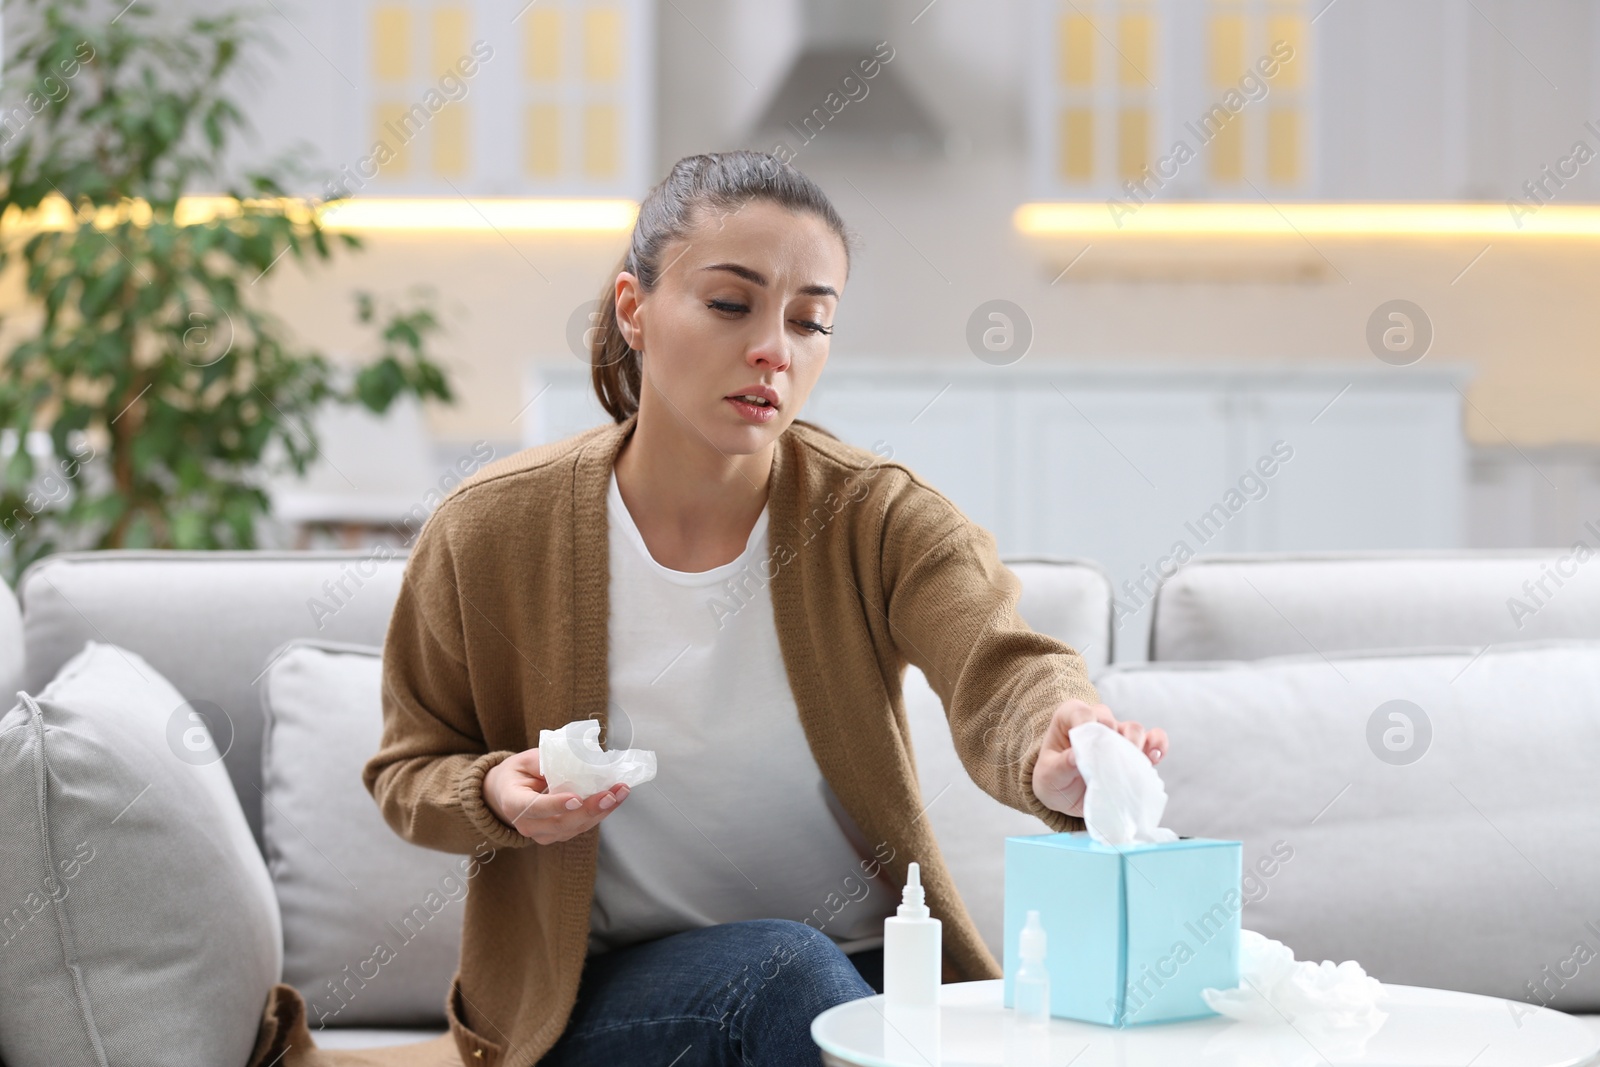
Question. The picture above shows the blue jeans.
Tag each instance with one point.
(738, 994)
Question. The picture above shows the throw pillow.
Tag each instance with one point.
(140, 927)
(372, 923)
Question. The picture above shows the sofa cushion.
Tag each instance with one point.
(1430, 815)
(141, 926)
(1245, 606)
(371, 923)
(207, 621)
(362, 1038)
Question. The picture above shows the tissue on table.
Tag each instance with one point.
(1275, 987)
(1139, 920)
(572, 761)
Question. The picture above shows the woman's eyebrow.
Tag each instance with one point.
(757, 278)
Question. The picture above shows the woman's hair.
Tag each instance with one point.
(696, 188)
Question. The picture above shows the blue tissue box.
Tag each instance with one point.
(1132, 933)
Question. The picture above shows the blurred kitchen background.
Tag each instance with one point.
(1139, 279)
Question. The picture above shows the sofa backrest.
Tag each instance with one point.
(207, 621)
(1248, 606)
(1428, 813)
(1069, 599)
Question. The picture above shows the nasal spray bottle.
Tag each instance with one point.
(912, 949)
(1027, 1034)
(1033, 981)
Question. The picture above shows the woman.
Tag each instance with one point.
(714, 579)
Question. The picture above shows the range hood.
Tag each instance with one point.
(825, 105)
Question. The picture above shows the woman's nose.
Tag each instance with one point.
(771, 351)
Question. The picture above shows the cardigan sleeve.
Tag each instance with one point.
(952, 612)
(427, 775)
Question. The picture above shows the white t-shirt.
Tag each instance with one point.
(735, 824)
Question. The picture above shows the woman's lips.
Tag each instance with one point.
(753, 413)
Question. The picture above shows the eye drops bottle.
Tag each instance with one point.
(1033, 981)
(912, 948)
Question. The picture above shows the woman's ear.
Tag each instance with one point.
(630, 310)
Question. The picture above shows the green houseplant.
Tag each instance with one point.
(139, 344)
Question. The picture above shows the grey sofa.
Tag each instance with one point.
(1397, 882)
(220, 625)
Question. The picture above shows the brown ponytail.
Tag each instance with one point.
(695, 187)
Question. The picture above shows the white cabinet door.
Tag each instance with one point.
(1122, 475)
(947, 430)
(1373, 469)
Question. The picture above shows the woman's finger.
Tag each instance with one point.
(1064, 794)
(531, 807)
(1155, 744)
(529, 770)
(588, 814)
(1134, 732)
(1071, 713)
(605, 801)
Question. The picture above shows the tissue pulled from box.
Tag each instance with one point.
(572, 761)
(1275, 987)
(1123, 795)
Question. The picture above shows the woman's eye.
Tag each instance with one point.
(808, 325)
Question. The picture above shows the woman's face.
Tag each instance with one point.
(741, 303)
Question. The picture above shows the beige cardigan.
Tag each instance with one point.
(499, 631)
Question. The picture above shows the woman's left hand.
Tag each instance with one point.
(1056, 781)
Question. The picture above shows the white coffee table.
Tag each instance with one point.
(1425, 1027)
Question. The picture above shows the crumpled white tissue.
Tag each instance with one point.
(1123, 798)
(572, 761)
(1274, 987)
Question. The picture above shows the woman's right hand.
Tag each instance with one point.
(516, 792)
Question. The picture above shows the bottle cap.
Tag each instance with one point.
(912, 897)
(1033, 938)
